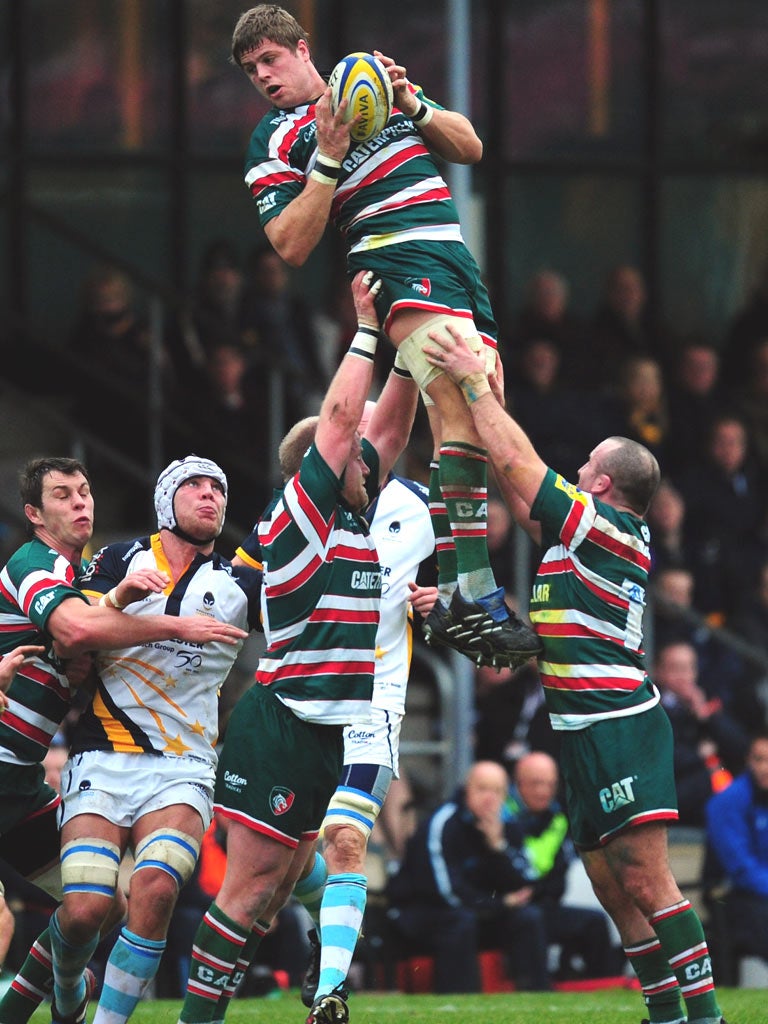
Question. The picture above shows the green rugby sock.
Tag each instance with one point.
(447, 577)
(464, 489)
(682, 938)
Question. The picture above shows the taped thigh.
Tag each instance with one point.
(89, 866)
(168, 850)
(356, 806)
(411, 349)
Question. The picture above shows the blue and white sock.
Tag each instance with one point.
(309, 891)
(132, 964)
(341, 918)
(69, 962)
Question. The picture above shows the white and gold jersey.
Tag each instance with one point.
(162, 697)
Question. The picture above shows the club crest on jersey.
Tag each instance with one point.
(281, 799)
(208, 599)
(423, 285)
(394, 527)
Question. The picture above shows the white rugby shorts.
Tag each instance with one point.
(376, 741)
(124, 787)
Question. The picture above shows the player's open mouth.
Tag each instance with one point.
(272, 89)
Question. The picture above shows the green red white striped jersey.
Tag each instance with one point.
(587, 606)
(322, 587)
(35, 580)
(389, 191)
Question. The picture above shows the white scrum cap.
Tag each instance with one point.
(173, 476)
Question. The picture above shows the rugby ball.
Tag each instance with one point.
(362, 79)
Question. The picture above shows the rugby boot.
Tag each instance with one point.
(330, 1009)
(79, 1016)
(312, 973)
(441, 628)
(503, 640)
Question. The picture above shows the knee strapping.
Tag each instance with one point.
(168, 850)
(411, 349)
(354, 808)
(90, 865)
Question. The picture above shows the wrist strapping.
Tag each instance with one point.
(326, 170)
(364, 342)
(474, 386)
(423, 115)
(109, 600)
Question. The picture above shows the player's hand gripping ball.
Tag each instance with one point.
(362, 79)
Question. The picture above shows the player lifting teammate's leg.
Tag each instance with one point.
(471, 614)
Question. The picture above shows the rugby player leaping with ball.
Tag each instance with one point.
(388, 199)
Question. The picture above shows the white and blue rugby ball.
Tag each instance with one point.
(362, 79)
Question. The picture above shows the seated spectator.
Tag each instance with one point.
(581, 933)
(279, 335)
(726, 502)
(751, 623)
(546, 314)
(666, 519)
(710, 745)
(748, 326)
(228, 414)
(723, 672)
(751, 403)
(510, 715)
(466, 884)
(500, 540)
(695, 398)
(212, 317)
(620, 327)
(737, 833)
(552, 412)
(640, 405)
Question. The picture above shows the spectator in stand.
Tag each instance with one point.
(228, 414)
(751, 622)
(723, 673)
(666, 518)
(463, 886)
(737, 831)
(581, 933)
(500, 541)
(751, 402)
(619, 328)
(727, 504)
(278, 332)
(546, 314)
(640, 405)
(694, 400)
(213, 317)
(550, 410)
(510, 715)
(748, 327)
(111, 339)
(710, 745)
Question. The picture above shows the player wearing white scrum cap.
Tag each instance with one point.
(143, 754)
(173, 476)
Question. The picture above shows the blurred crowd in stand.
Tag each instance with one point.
(247, 345)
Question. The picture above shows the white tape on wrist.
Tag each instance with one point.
(423, 115)
(364, 342)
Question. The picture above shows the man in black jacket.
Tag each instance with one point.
(463, 886)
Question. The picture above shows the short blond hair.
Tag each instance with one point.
(294, 445)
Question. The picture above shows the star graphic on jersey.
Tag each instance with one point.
(169, 681)
(379, 653)
(198, 728)
(176, 746)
